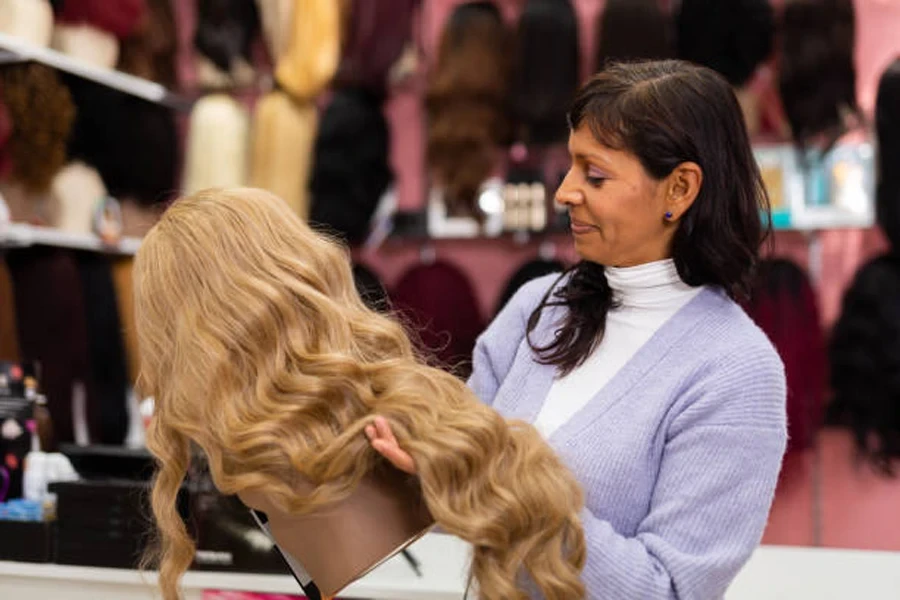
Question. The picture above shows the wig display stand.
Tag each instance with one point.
(14, 50)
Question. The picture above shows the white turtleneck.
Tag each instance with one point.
(647, 295)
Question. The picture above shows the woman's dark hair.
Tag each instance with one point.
(783, 304)
(467, 103)
(546, 74)
(817, 75)
(865, 363)
(887, 123)
(666, 113)
(634, 30)
(732, 38)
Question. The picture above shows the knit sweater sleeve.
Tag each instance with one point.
(715, 485)
(496, 348)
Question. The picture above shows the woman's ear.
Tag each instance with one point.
(684, 185)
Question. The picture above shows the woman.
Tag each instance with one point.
(656, 389)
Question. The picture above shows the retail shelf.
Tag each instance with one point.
(13, 50)
(18, 235)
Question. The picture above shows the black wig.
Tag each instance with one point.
(634, 29)
(732, 37)
(887, 122)
(546, 74)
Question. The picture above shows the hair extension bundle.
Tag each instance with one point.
(284, 132)
(783, 304)
(276, 18)
(633, 30)
(313, 50)
(817, 74)
(150, 52)
(887, 124)
(118, 17)
(41, 112)
(217, 144)
(467, 103)
(733, 38)
(351, 168)
(377, 33)
(257, 347)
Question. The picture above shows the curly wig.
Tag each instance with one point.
(467, 103)
(258, 349)
(41, 110)
(865, 363)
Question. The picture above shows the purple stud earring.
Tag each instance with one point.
(668, 215)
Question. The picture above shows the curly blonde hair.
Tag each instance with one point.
(258, 349)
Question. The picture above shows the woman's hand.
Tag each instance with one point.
(383, 441)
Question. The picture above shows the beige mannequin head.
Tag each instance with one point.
(87, 43)
(30, 20)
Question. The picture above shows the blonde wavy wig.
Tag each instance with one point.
(258, 349)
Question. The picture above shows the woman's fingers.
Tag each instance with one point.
(385, 443)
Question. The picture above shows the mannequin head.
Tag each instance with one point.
(29, 20)
(257, 348)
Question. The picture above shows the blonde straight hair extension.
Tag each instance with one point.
(313, 50)
(217, 145)
(284, 132)
(257, 348)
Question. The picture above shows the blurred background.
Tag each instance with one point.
(430, 136)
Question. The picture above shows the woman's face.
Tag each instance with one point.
(618, 211)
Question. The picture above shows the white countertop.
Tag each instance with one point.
(774, 573)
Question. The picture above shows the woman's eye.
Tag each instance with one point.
(595, 178)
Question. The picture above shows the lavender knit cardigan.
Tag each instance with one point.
(679, 453)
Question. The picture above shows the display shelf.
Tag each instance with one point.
(13, 50)
(18, 235)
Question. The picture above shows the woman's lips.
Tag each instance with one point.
(580, 228)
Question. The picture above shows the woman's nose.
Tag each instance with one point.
(568, 194)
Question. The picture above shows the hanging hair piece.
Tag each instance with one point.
(633, 30)
(114, 131)
(887, 123)
(467, 104)
(546, 73)
(783, 304)
(258, 349)
(117, 17)
(313, 50)
(217, 144)
(865, 361)
(284, 132)
(150, 52)
(817, 70)
(732, 38)
(41, 111)
(277, 19)
(351, 168)
(377, 33)
(224, 37)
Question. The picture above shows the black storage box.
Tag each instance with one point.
(27, 541)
